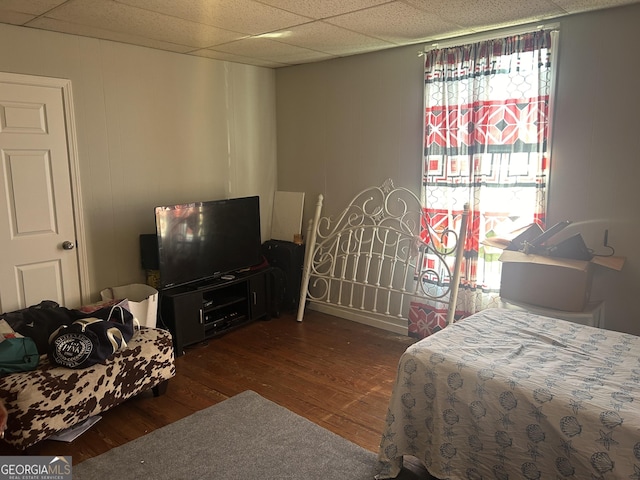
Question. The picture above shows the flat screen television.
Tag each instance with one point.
(204, 240)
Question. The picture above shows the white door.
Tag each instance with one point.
(40, 260)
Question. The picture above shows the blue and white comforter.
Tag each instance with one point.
(510, 395)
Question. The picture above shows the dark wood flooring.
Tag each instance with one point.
(337, 373)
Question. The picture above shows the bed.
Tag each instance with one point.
(379, 256)
(507, 394)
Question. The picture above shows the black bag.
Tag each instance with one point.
(18, 355)
(39, 321)
(93, 339)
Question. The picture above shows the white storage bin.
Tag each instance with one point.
(143, 301)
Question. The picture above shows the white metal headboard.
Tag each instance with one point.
(371, 258)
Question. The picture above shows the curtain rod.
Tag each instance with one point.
(488, 35)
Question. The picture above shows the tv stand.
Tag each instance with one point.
(212, 308)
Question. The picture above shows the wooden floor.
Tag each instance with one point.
(337, 373)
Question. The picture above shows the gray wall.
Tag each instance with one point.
(349, 123)
(154, 128)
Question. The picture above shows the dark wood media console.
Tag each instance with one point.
(194, 313)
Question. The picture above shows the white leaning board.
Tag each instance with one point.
(287, 215)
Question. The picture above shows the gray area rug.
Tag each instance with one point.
(245, 437)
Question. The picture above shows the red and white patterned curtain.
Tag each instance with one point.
(486, 139)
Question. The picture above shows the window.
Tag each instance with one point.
(486, 143)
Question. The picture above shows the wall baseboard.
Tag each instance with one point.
(400, 326)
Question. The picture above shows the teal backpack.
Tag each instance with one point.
(18, 355)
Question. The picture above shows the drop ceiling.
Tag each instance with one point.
(277, 33)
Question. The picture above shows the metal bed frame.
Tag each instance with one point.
(379, 255)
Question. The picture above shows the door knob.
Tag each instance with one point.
(67, 245)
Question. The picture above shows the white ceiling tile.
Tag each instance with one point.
(328, 38)
(347, 27)
(227, 14)
(395, 22)
(576, 6)
(270, 50)
(34, 7)
(229, 57)
(14, 18)
(500, 12)
(117, 17)
(319, 9)
(93, 32)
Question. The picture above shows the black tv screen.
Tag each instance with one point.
(199, 241)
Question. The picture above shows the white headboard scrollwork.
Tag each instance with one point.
(379, 254)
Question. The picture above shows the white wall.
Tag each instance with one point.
(154, 128)
(349, 123)
(595, 167)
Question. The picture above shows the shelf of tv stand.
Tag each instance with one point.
(198, 312)
(224, 302)
(224, 325)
